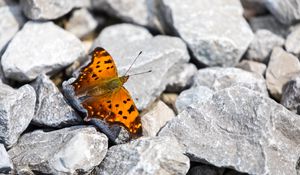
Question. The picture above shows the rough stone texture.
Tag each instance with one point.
(285, 11)
(182, 77)
(268, 22)
(142, 12)
(222, 35)
(292, 41)
(252, 66)
(161, 60)
(156, 118)
(81, 23)
(156, 155)
(46, 47)
(192, 96)
(291, 94)
(16, 112)
(11, 20)
(64, 151)
(281, 68)
(5, 162)
(262, 45)
(47, 10)
(51, 108)
(220, 78)
(241, 129)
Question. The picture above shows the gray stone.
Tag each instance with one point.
(160, 54)
(192, 96)
(286, 12)
(46, 47)
(169, 99)
(221, 78)
(281, 68)
(51, 108)
(73, 150)
(16, 112)
(292, 41)
(11, 20)
(156, 118)
(262, 45)
(268, 22)
(5, 162)
(291, 93)
(48, 10)
(241, 129)
(182, 77)
(81, 23)
(156, 155)
(204, 26)
(252, 66)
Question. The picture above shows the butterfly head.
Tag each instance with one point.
(124, 78)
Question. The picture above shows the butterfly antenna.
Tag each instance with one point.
(133, 62)
(141, 73)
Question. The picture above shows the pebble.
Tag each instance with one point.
(290, 94)
(252, 66)
(5, 163)
(292, 42)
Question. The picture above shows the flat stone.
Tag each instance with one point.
(17, 110)
(206, 31)
(5, 163)
(281, 68)
(156, 118)
(11, 20)
(44, 10)
(241, 129)
(81, 23)
(46, 47)
(292, 41)
(270, 23)
(65, 151)
(221, 78)
(252, 66)
(290, 94)
(51, 109)
(286, 12)
(263, 43)
(182, 77)
(148, 155)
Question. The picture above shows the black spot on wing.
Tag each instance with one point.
(131, 109)
(107, 61)
(120, 112)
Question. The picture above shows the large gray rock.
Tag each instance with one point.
(291, 93)
(51, 108)
(5, 162)
(40, 47)
(217, 36)
(47, 10)
(262, 45)
(241, 129)
(11, 20)
(65, 151)
(16, 112)
(252, 66)
(286, 12)
(81, 23)
(292, 41)
(156, 155)
(281, 68)
(221, 78)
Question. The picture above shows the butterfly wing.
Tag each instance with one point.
(102, 67)
(117, 107)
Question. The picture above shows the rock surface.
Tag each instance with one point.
(5, 162)
(51, 109)
(156, 118)
(242, 129)
(81, 23)
(16, 112)
(65, 151)
(290, 94)
(156, 155)
(252, 66)
(213, 42)
(11, 20)
(292, 41)
(46, 47)
(281, 68)
(262, 45)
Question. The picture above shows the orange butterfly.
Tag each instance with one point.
(107, 98)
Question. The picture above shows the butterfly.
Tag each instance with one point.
(106, 97)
